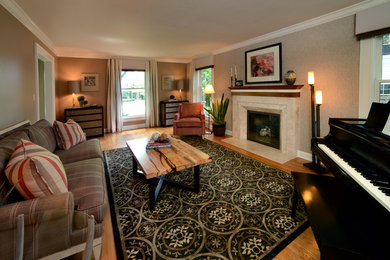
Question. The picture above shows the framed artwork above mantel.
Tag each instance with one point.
(264, 65)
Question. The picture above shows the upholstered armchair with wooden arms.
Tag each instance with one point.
(190, 120)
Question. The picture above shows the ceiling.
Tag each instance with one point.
(165, 29)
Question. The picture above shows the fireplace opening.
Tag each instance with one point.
(264, 128)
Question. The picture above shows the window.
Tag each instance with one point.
(384, 77)
(133, 94)
(206, 77)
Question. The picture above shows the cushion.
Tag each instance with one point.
(191, 109)
(87, 150)
(87, 183)
(189, 122)
(35, 171)
(42, 134)
(69, 134)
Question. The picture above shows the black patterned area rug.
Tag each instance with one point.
(243, 209)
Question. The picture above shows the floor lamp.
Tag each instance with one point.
(208, 90)
(315, 165)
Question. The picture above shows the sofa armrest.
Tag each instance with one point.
(202, 116)
(39, 210)
(177, 116)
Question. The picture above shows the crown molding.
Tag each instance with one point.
(12, 7)
(344, 12)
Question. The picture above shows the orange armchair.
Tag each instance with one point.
(190, 120)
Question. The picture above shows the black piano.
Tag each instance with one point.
(358, 155)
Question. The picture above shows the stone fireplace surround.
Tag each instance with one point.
(277, 100)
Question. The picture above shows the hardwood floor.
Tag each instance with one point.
(303, 247)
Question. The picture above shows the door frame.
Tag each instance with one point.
(49, 82)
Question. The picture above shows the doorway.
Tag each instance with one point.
(45, 87)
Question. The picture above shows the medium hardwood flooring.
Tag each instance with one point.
(303, 247)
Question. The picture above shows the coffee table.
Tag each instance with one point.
(154, 164)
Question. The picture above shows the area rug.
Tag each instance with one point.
(243, 209)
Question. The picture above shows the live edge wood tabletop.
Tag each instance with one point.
(90, 119)
(181, 155)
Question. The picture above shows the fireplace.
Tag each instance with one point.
(263, 128)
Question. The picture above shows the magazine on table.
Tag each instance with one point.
(155, 144)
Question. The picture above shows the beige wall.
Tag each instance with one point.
(71, 69)
(179, 71)
(17, 71)
(330, 50)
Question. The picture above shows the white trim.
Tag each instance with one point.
(23, 17)
(41, 53)
(344, 12)
(229, 132)
(304, 155)
(131, 127)
(12, 127)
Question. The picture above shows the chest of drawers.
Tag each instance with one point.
(89, 118)
(168, 110)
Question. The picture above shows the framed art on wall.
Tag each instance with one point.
(167, 82)
(264, 65)
(89, 82)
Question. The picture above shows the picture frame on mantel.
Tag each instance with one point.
(167, 82)
(264, 65)
(89, 82)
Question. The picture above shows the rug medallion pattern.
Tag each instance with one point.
(242, 211)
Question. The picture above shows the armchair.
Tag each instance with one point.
(190, 120)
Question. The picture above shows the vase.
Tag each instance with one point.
(290, 77)
(219, 130)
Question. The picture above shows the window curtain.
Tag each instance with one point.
(195, 87)
(114, 96)
(151, 94)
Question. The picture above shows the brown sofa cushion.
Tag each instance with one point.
(189, 122)
(42, 134)
(86, 150)
(86, 182)
(191, 109)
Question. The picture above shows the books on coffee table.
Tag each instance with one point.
(153, 144)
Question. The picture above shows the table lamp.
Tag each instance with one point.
(74, 87)
(180, 87)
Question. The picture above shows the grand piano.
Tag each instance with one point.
(350, 214)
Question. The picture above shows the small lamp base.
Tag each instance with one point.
(316, 167)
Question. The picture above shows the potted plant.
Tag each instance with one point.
(218, 112)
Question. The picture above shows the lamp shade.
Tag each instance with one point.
(74, 86)
(209, 89)
(180, 84)
(310, 78)
(319, 97)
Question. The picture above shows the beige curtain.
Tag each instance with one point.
(151, 94)
(114, 96)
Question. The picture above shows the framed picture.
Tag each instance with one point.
(89, 82)
(167, 82)
(264, 65)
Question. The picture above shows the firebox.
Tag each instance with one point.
(264, 128)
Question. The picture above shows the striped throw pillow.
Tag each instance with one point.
(35, 171)
(69, 134)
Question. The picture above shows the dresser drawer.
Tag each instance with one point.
(91, 124)
(85, 118)
(84, 111)
(171, 105)
(169, 122)
(93, 131)
(171, 109)
(170, 115)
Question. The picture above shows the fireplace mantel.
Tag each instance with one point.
(268, 91)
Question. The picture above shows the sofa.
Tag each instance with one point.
(55, 225)
(190, 120)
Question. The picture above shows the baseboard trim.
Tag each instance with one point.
(304, 155)
(229, 132)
